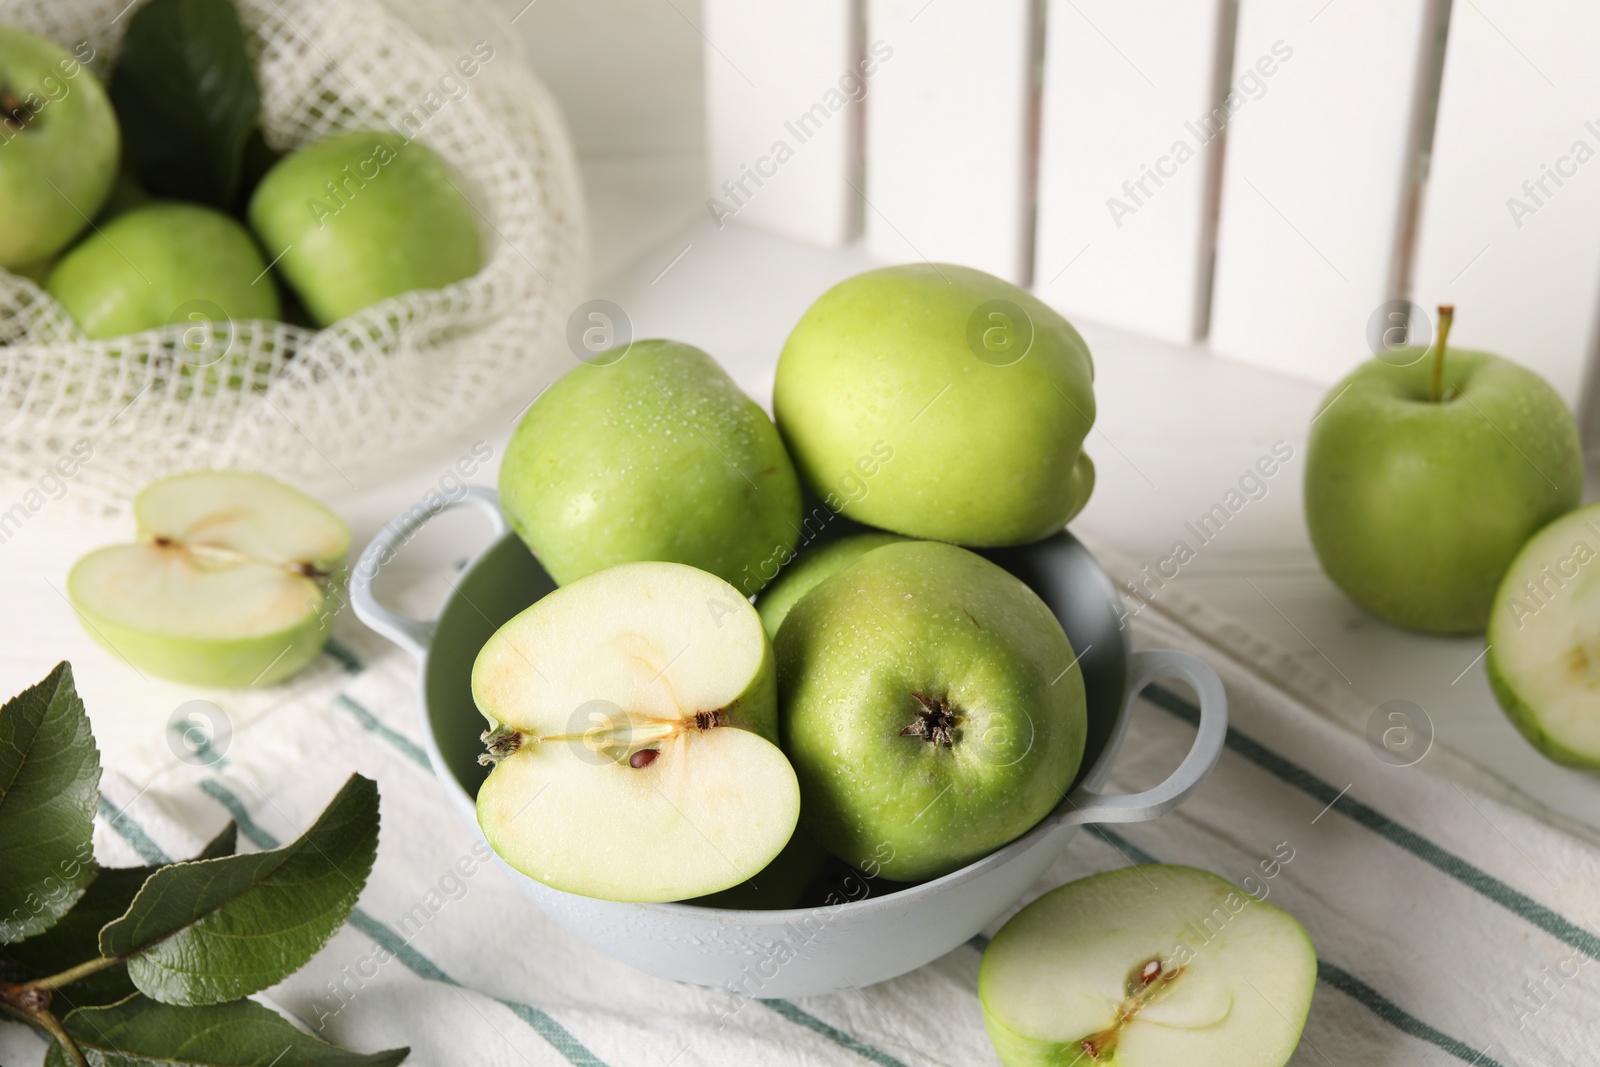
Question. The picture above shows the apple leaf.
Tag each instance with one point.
(186, 95)
(49, 787)
(140, 1032)
(216, 930)
(76, 937)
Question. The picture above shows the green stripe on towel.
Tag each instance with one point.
(559, 1037)
(369, 722)
(1345, 982)
(1473, 877)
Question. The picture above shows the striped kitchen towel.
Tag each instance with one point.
(1453, 923)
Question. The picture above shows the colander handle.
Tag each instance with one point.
(413, 635)
(1087, 806)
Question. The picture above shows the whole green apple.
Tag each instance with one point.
(932, 708)
(363, 216)
(983, 393)
(809, 570)
(1424, 480)
(1544, 640)
(161, 263)
(655, 456)
(59, 144)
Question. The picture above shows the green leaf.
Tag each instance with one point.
(187, 98)
(140, 1032)
(49, 787)
(216, 930)
(76, 937)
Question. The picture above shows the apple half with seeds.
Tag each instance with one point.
(1544, 640)
(1148, 966)
(231, 582)
(633, 724)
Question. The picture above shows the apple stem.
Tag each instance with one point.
(14, 114)
(1447, 315)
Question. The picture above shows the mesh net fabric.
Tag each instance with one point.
(318, 405)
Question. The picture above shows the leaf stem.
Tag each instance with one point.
(1447, 315)
(71, 974)
(33, 1008)
(53, 1027)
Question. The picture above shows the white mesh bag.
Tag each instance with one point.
(315, 406)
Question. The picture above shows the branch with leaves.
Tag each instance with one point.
(151, 965)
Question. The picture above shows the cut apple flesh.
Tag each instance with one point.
(1544, 639)
(226, 586)
(632, 714)
(1148, 967)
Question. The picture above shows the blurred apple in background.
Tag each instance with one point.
(161, 263)
(1424, 480)
(363, 216)
(58, 148)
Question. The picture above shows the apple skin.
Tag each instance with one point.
(1416, 509)
(781, 883)
(809, 570)
(398, 222)
(139, 269)
(57, 170)
(657, 456)
(928, 619)
(1565, 552)
(236, 663)
(984, 454)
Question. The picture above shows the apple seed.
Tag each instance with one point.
(1145, 983)
(935, 723)
(643, 758)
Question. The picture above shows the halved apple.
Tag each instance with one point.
(1544, 639)
(1148, 967)
(633, 719)
(228, 584)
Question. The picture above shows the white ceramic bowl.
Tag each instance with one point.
(881, 930)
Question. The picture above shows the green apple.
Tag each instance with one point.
(655, 456)
(809, 570)
(932, 706)
(164, 263)
(982, 393)
(59, 144)
(1425, 477)
(1544, 640)
(1148, 966)
(780, 884)
(363, 216)
(229, 583)
(633, 729)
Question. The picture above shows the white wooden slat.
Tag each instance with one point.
(784, 85)
(949, 170)
(1316, 175)
(1510, 228)
(1127, 153)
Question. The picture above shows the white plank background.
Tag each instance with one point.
(1521, 91)
(767, 64)
(1314, 181)
(1128, 88)
(949, 138)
